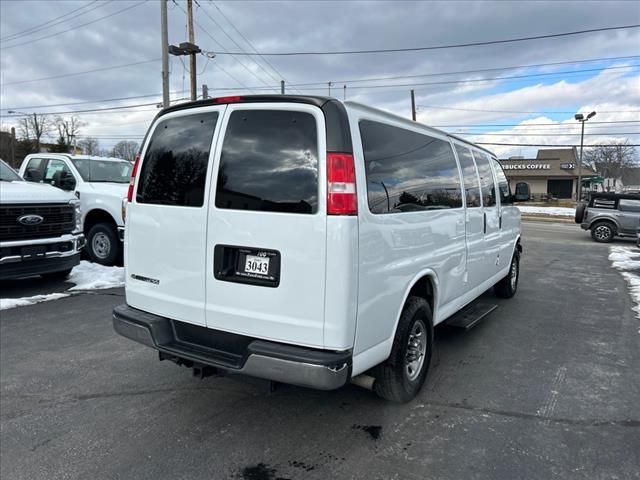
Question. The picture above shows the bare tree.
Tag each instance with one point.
(89, 146)
(33, 127)
(68, 130)
(126, 149)
(612, 160)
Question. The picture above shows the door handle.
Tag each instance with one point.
(485, 222)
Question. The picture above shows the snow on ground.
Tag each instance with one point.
(86, 276)
(93, 276)
(6, 303)
(627, 260)
(553, 211)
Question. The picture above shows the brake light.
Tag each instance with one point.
(230, 99)
(132, 180)
(341, 185)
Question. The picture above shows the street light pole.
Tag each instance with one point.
(581, 118)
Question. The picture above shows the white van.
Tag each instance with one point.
(308, 241)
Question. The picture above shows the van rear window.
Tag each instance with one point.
(269, 162)
(174, 169)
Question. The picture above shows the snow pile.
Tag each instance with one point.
(552, 211)
(6, 303)
(93, 276)
(627, 260)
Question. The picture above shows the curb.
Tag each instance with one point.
(547, 218)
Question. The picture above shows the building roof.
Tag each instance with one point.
(553, 162)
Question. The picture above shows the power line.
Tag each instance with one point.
(48, 23)
(75, 27)
(237, 44)
(65, 75)
(546, 145)
(515, 111)
(528, 124)
(515, 67)
(550, 134)
(267, 62)
(440, 47)
(28, 107)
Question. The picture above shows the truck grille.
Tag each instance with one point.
(58, 219)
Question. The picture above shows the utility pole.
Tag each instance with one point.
(413, 106)
(329, 88)
(165, 53)
(205, 92)
(13, 146)
(344, 93)
(282, 87)
(192, 55)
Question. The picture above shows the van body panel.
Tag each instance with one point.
(341, 298)
(393, 247)
(165, 247)
(292, 312)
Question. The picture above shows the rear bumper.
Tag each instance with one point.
(306, 367)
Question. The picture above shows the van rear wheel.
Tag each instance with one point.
(401, 376)
(507, 287)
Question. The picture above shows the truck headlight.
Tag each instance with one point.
(78, 214)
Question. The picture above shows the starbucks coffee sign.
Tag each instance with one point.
(527, 166)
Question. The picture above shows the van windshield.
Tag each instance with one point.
(95, 170)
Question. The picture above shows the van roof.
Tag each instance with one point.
(338, 133)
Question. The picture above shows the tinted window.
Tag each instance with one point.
(627, 205)
(94, 170)
(470, 179)
(174, 169)
(487, 185)
(269, 162)
(503, 183)
(408, 171)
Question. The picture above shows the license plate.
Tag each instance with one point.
(259, 265)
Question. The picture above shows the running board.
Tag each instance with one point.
(472, 314)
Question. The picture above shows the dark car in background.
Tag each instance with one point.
(608, 215)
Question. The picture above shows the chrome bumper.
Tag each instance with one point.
(75, 242)
(305, 367)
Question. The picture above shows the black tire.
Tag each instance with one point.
(61, 275)
(603, 232)
(508, 286)
(580, 208)
(394, 381)
(103, 245)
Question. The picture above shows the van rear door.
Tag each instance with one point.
(266, 234)
(166, 223)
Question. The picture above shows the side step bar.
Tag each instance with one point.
(470, 315)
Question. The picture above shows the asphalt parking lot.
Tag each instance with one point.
(547, 386)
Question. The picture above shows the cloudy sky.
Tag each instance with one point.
(70, 56)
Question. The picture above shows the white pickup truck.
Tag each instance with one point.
(40, 228)
(100, 183)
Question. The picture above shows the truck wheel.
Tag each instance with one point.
(603, 232)
(507, 287)
(580, 208)
(401, 376)
(103, 244)
(61, 275)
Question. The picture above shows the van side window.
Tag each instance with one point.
(174, 169)
(503, 183)
(469, 174)
(408, 171)
(487, 185)
(269, 162)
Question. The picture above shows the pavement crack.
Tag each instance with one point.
(585, 422)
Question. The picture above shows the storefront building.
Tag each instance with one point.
(553, 174)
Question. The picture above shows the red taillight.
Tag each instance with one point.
(132, 180)
(341, 185)
(230, 99)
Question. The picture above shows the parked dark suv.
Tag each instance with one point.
(609, 214)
